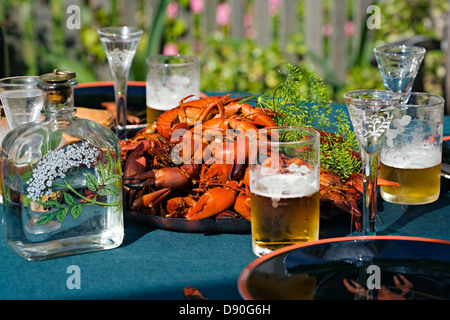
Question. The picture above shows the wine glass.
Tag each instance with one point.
(399, 65)
(371, 113)
(120, 44)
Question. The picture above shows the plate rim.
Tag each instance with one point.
(94, 84)
(243, 276)
(221, 226)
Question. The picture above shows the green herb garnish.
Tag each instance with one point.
(304, 102)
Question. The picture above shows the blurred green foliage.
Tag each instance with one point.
(228, 64)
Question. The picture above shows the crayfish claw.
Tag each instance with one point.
(150, 200)
(211, 203)
(354, 287)
(405, 287)
(242, 206)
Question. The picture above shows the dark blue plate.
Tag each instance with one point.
(208, 226)
(375, 267)
(93, 94)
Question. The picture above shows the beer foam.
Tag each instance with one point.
(285, 185)
(167, 95)
(418, 158)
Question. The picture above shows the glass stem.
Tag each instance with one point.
(370, 163)
(120, 89)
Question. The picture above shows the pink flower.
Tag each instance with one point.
(197, 6)
(223, 12)
(349, 28)
(170, 49)
(274, 6)
(172, 10)
(327, 30)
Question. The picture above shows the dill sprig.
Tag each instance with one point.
(304, 102)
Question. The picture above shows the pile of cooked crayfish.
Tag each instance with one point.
(166, 171)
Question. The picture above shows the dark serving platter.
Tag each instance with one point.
(205, 226)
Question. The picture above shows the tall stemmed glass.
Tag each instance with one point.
(399, 65)
(120, 44)
(371, 113)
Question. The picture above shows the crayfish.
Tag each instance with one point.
(178, 167)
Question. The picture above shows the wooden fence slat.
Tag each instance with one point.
(128, 10)
(313, 30)
(289, 24)
(209, 16)
(338, 50)
(44, 23)
(237, 18)
(262, 22)
(359, 20)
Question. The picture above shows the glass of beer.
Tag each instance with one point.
(170, 79)
(412, 152)
(284, 187)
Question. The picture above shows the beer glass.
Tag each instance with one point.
(412, 152)
(170, 79)
(284, 187)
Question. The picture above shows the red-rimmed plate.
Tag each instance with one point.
(371, 267)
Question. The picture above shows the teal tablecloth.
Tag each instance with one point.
(158, 264)
(150, 264)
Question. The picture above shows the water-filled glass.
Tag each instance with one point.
(21, 99)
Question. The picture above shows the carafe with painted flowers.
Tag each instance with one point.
(61, 179)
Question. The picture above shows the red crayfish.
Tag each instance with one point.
(177, 167)
(158, 182)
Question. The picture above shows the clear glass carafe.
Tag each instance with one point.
(61, 180)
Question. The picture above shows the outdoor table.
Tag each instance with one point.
(159, 264)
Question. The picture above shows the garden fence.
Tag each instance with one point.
(333, 47)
